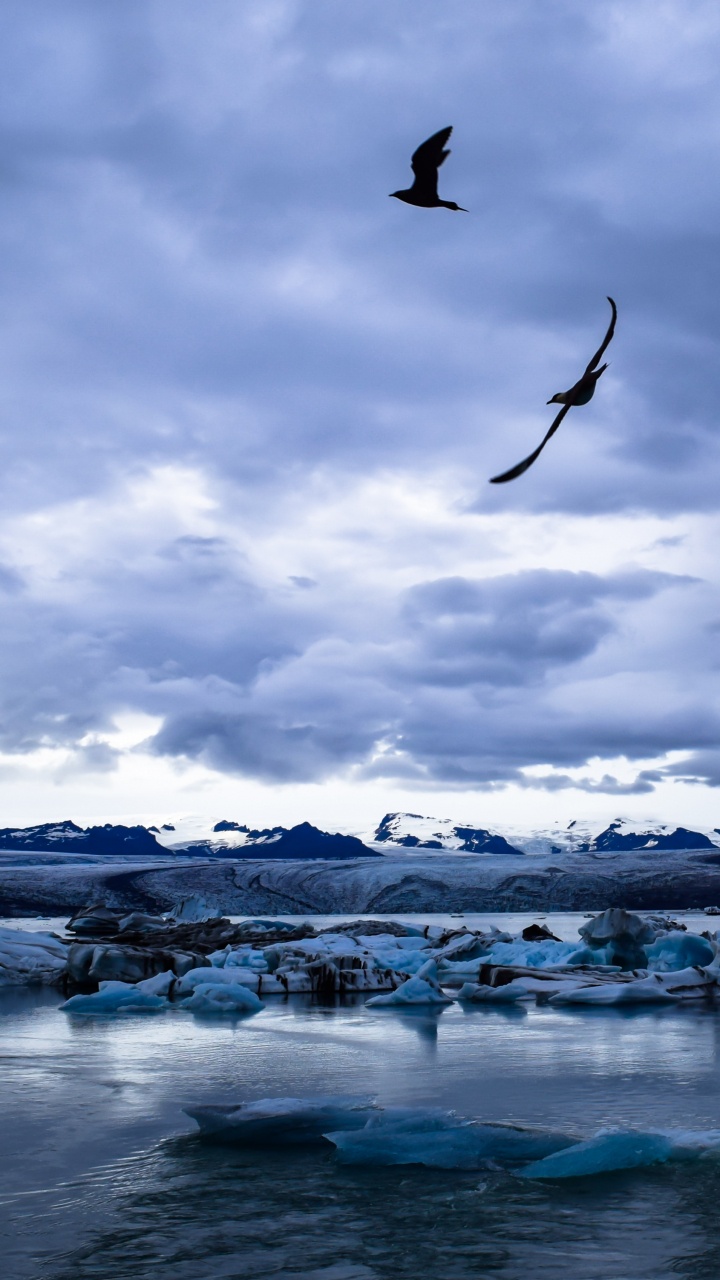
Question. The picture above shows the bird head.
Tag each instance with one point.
(399, 195)
(558, 398)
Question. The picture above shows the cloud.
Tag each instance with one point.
(251, 405)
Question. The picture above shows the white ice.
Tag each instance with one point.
(644, 991)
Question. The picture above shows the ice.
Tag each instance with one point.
(27, 957)
(423, 988)
(213, 998)
(678, 950)
(281, 1121)
(643, 991)
(612, 1150)
(621, 935)
(477, 993)
(443, 1142)
(193, 910)
(211, 976)
(536, 955)
(115, 997)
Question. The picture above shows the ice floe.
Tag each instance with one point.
(363, 1132)
(281, 1121)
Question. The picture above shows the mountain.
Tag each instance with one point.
(301, 841)
(225, 840)
(67, 837)
(398, 834)
(620, 835)
(412, 831)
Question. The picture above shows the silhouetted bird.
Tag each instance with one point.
(425, 164)
(581, 393)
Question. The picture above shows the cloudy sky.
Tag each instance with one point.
(250, 561)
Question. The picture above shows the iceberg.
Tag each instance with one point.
(444, 1142)
(115, 997)
(281, 1121)
(31, 957)
(229, 997)
(678, 950)
(611, 1150)
(643, 991)
(477, 993)
(423, 988)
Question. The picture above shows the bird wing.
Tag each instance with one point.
(606, 340)
(427, 159)
(514, 472)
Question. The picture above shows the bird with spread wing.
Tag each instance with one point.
(425, 164)
(581, 393)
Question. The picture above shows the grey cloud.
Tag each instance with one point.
(204, 269)
(205, 262)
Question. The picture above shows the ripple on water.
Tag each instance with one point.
(193, 1210)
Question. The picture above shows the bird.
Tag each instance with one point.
(581, 393)
(425, 164)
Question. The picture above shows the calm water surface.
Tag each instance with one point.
(104, 1176)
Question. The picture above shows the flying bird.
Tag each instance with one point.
(581, 393)
(425, 164)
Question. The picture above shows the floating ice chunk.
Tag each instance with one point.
(423, 988)
(115, 997)
(603, 1154)
(27, 957)
(477, 993)
(281, 1121)
(678, 950)
(643, 991)
(211, 976)
(159, 985)
(448, 1144)
(213, 997)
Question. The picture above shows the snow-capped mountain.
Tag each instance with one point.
(398, 834)
(406, 831)
(412, 831)
(192, 837)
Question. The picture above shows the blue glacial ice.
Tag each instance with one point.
(612, 1150)
(223, 997)
(281, 1121)
(117, 997)
(678, 950)
(423, 988)
(444, 1142)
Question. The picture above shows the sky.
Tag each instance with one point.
(250, 562)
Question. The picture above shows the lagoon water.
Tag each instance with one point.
(104, 1176)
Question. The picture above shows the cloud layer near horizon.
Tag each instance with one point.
(250, 405)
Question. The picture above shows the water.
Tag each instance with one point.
(104, 1176)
